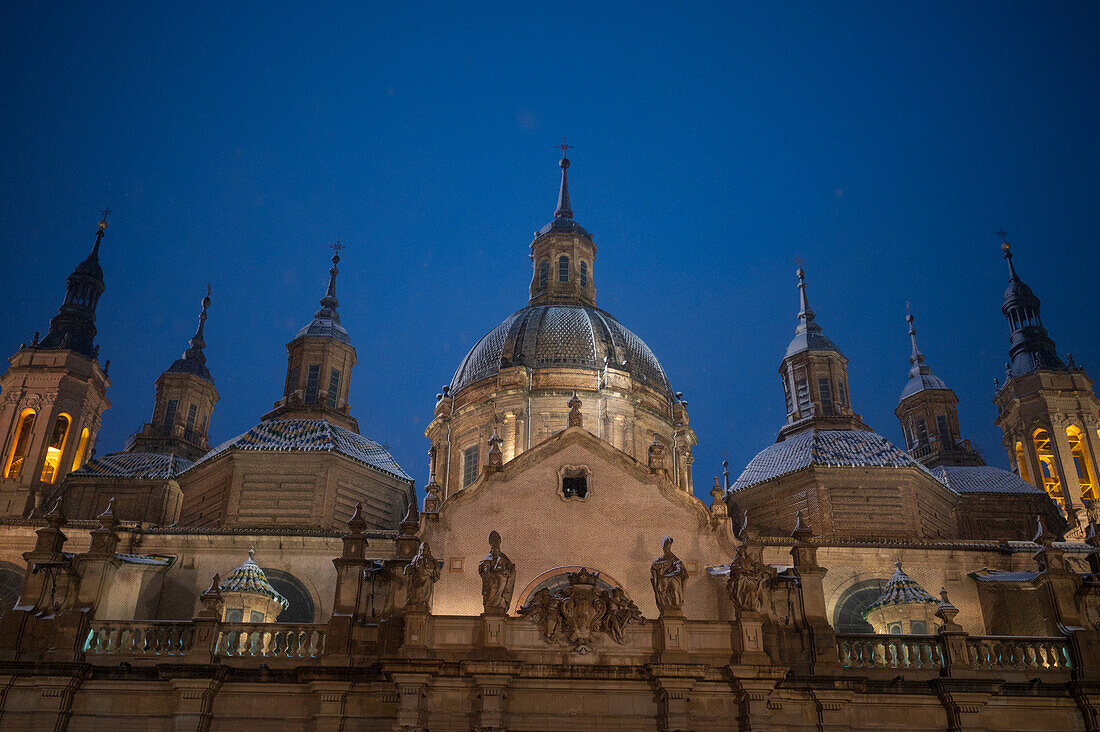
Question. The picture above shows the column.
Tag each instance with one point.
(1071, 489)
(1033, 462)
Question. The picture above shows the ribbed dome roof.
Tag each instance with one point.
(561, 336)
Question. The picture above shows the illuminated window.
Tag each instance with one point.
(333, 387)
(544, 273)
(1048, 472)
(1085, 473)
(55, 447)
(22, 442)
(469, 465)
(170, 415)
(81, 447)
(563, 268)
(1021, 463)
(312, 376)
(584, 274)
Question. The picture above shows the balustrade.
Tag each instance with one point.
(1011, 653)
(270, 640)
(137, 638)
(871, 650)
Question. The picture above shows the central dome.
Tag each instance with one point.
(561, 336)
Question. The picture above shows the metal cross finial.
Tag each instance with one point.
(564, 147)
(799, 260)
(337, 247)
(1003, 234)
(106, 212)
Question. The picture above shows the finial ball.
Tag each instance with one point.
(564, 163)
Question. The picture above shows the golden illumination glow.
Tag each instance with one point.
(22, 441)
(1085, 471)
(1021, 462)
(55, 447)
(80, 449)
(1047, 468)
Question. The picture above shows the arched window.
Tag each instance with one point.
(584, 274)
(848, 616)
(300, 609)
(1048, 472)
(1081, 460)
(22, 443)
(81, 447)
(55, 447)
(544, 273)
(563, 268)
(1021, 463)
(11, 584)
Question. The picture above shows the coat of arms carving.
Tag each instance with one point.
(580, 611)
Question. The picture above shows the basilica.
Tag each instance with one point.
(558, 571)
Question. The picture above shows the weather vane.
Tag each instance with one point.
(564, 147)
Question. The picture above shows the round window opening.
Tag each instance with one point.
(850, 607)
(300, 609)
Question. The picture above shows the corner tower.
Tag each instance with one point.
(815, 377)
(55, 392)
(929, 415)
(319, 364)
(1047, 410)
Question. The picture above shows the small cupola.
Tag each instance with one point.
(73, 328)
(903, 608)
(319, 364)
(1031, 348)
(562, 255)
(247, 596)
(815, 376)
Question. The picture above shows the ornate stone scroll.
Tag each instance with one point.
(498, 578)
(422, 572)
(667, 574)
(579, 613)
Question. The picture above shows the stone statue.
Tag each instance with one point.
(667, 574)
(498, 578)
(422, 573)
(620, 611)
(746, 581)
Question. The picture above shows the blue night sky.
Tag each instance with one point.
(884, 143)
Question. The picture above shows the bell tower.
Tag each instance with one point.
(1047, 410)
(319, 364)
(815, 377)
(54, 394)
(929, 415)
(184, 403)
(563, 254)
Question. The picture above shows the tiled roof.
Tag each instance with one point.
(992, 575)
(849, 448)
(901, 589)
(249, 578)
(134, 465)
(919, 382)
(982, 479)
(311, 435)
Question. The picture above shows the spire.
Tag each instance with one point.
(806, 323)
(564, 210)
(74, 325)
(917, 358)
(1031, 348)
(193, 360)
(329, 303)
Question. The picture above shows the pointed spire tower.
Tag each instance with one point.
(1046, 409)
(563, 254)
(184, 403)
(319, 364)
(55, 393)
(929, 416)
(815, 376)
